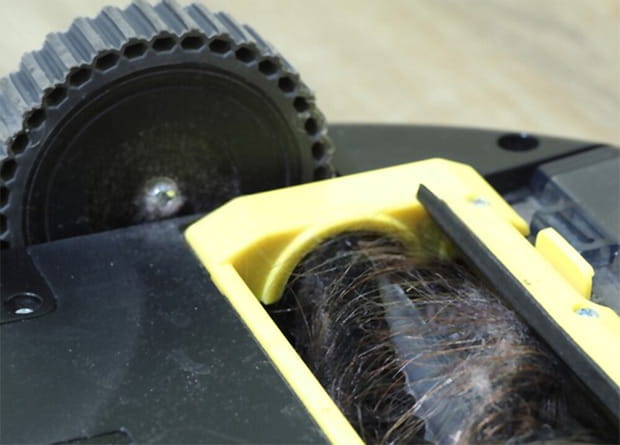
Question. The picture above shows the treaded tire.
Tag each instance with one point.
(55, 86)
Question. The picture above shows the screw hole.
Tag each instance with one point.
(23, 304)
(79, 76)
(106, 61)
(246, 55)
(192, 42)
(4, 245)
(163, 44)
(8, 169)
(2, 223)
(55, 96)
(19, 143)
(219, 46)
(267, 67)
(517, 142)
(134, 50)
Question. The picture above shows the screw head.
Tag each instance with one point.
(159, 198)
(480, 201)
(25, 303)
(587, 312)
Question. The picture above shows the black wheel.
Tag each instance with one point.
(146, 113)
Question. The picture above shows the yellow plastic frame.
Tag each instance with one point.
(251, 245)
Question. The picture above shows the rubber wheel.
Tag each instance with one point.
(147, 113)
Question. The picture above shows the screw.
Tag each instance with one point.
(24, 303)
(587, 312)
(24, 311)
(480, 201)
(159, 198)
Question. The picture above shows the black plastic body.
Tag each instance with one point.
(141, 344)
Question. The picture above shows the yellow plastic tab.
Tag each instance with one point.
(566, 260)
(251, 245)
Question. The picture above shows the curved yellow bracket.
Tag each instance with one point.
(264, 236)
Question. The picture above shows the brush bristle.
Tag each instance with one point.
(413, 349)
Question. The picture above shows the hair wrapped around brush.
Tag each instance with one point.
(416, 348)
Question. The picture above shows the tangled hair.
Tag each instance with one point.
(416, 349)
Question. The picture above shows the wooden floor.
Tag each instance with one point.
(549, 66)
